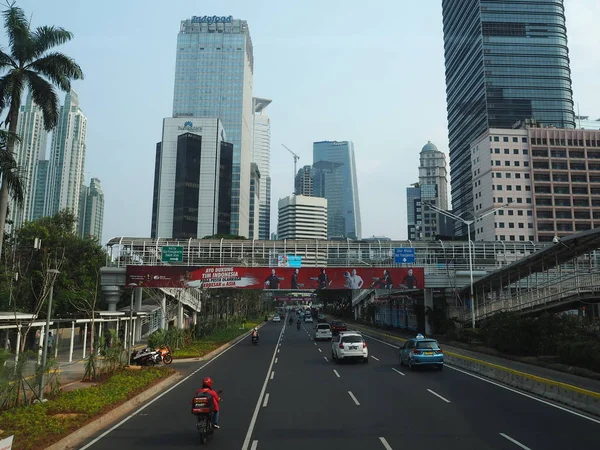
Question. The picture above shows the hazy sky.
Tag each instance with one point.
(370, 72)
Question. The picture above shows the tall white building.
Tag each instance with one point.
(213, 78)
(67, 159)
(262, 157)
(433, 187)
(302, 217)
(91, 210)
(192, 179)
(29, 151)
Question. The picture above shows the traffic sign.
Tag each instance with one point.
(404, 255)
(172, 253)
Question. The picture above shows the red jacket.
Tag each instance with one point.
(214, 395)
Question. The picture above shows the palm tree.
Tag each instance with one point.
(31, 64)
(10, 171)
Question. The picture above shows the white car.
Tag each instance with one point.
(349, 345)
(323, 331)
(276, 318)
(308, 319)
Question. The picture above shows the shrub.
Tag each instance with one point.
(584, 354)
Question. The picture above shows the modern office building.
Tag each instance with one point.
(302, 217)
(413, 212)
(549, 176)
(193, 178)
(91, 210)
(28, 152)
(334, 178)
(303, 184)
(506, 61)
(39, 189)
(585, 123)
(255, 188)
(213, 79)
(433, 185)
(262, 157)
(67, 159)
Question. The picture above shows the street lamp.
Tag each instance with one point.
(53, 273)
(468, 223)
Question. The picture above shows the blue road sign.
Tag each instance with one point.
(404, 255)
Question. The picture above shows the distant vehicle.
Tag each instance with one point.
(421, 351)
(276, 318)
(337, 327)
(323, 331)
(349, 345)
(308, 319)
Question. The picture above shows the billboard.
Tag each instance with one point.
(276, 278)
(289, 261)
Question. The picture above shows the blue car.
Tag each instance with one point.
(421, 351)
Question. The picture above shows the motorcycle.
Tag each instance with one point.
(165, 354)
(203, 410)
(298, 326)
(145, 357)
(255, 338)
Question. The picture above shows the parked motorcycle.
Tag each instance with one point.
(145, 357)
(202, 408)
(165, 354)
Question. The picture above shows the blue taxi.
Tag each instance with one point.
(421, 351)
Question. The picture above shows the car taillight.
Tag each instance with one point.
(416, 352)
(341, 345)
(364, 345)
(439, 350)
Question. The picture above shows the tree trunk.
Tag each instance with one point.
(10, 145)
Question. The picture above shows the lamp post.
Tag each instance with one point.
(468, 223)
(53, 273)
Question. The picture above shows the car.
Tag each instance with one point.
(349, 345)
(308, 319)
(421, 351)
(276, 318)
(337, 327)
(323, 331)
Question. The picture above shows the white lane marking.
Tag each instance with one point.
(315, 343)
(374, 358)
(438, 395)
(326, 358)
(277, 350)
(336, 373)
(397, 371)
(257, 407)
(320, 350)
(113, 428)
(379, 340)
(583, 416)
(266, 400)
(276, 359)
(353, 398)
(514, 441)
(272, 375)
(254, 445)
(385, 443)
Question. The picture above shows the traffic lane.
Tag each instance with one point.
(168, 422)
(527, 420)
(306, 405)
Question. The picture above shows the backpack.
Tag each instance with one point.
(203, 403)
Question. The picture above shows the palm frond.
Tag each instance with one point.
(46, 37)
(16, 26)
(59, 68)
(6, 60)
(11, 90)
(12, 175)
(6, 137)
(44, 95)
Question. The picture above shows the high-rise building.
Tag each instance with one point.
(433, 186)
(193, 178)
(255, 182)
(29, 151)
(585, 123)
(39, 189)
(334, 178)
(91, 210)
(413, 211)
(262, 157)
(302, 217)
(67, 159)
(213, 78)
(506, 61)
(304, 182)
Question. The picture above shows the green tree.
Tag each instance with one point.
(31, 63)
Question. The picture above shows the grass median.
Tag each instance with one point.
(40, 425)
(213, 341)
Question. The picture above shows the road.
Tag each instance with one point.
(286, 393)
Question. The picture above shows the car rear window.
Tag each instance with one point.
(351, 339)
(339, 324)
(428, 344)
(323, 326)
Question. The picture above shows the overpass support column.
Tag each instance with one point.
(163, 307)
(112, 295)
(179, 314)
(138, 307)
(428, 293)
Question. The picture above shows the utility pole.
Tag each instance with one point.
(296, 158)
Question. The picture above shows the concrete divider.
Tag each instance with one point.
(573, 396)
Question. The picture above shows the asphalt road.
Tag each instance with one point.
(286, 393)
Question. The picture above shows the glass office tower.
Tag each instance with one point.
(334, 178)
(506, 61)
(213, 78)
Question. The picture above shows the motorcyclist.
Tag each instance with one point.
(291, 320)
(255, 333)
(207, 387)
(298, 323)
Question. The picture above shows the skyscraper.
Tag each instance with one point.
(255, 188)
(91, 210)
(304, 182)
(433, 186)
(67, 158)
(506, 61)
(29, 151)
(302, 217)
(213, 78)
(262, 157)
(334, 178)
(413, 212)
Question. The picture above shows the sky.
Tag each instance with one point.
(368, 72)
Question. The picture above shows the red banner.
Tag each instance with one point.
(285, 278)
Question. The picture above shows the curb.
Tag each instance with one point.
(567, 394)
(73, 440)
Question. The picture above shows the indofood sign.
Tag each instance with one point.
(189, 126)
(212, 19)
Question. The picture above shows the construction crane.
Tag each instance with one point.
(296, 158)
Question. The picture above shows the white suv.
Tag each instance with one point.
(323, 331)
(347, 345)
